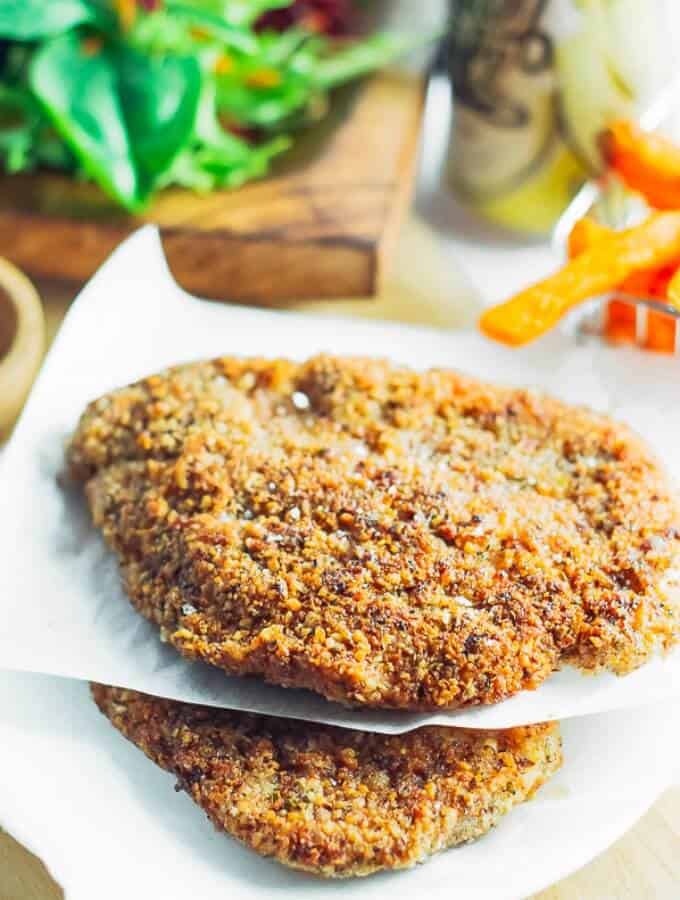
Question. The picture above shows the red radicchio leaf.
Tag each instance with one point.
(334, 17)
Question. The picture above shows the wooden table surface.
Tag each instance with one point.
(645, 863)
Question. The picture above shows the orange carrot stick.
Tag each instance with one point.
(598, 270)
(648, 163)
(661, 281)
(673, 289)
(660, 332)
(647, 283)
(620, 322)
(584, 234)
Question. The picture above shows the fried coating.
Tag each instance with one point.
(333, 801)
(383, 537)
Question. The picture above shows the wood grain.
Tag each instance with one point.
(643, 864)
(22, 875)
(321, 226)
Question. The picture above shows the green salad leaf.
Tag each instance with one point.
(19, 120)
(240, 13)
(159, 97)
(264, 97)
(217, 158)
(30, 20)
(181, 93)
(78, 89)
(126, 116)
(247, 12)
(359, 59)
(215, 25)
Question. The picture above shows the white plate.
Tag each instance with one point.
(108, 824)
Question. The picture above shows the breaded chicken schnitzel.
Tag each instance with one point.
(381, 536)
(333, 801)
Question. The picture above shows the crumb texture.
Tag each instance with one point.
(333, 801)
(384, 537)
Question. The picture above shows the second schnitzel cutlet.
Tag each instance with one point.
(334, 801)
(384, 537)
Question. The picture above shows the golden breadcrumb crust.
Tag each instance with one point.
(333, 801)
(380, 536)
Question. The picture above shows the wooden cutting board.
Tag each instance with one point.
(321, 226)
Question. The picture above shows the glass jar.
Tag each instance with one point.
(535, 82)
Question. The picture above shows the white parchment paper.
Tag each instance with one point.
(62, 608)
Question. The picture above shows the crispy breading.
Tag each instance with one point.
(330, 800)
(380, 536)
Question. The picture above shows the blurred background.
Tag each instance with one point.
(344, 156)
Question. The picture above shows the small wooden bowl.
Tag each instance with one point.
(22, 341)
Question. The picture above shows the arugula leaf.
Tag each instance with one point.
(247, 12)
(268, 107)
(366, 56)
(267, 92)
(79, 92)
(217, 158)
(233, 36)
(159, 97)
(29, 20)
(205, 168)
(301, 72)
(161, 33)
(240, 13)
(277, 49)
